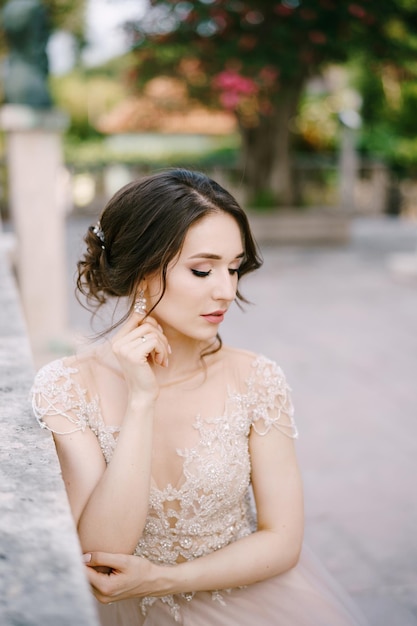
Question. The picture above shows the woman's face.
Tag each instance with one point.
(202, 281)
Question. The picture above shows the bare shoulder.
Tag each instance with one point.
(245, 358)
(239, 365)
(65, 375)
(238, 354)
(89, 360)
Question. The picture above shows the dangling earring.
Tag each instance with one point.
(140, 303)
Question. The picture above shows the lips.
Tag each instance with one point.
(216, 317)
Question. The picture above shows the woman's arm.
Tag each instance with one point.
(276, 545)
(107, 516)
(100, 496)
(272, 549)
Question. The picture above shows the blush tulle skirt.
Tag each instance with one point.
(304, 596)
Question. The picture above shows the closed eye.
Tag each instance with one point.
(200, 273)
(234, 271)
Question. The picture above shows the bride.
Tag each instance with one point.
(177, 452)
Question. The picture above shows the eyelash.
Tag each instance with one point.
(201, 274)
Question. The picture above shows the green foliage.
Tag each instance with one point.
(389, 115)
(407, 118)
(289, 39)
(316, 125)
(263, 200)
(99, 152)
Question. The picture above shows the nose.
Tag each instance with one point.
(225, 287)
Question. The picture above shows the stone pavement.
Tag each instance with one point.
(343, 326)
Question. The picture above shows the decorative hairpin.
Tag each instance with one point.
(97, 230)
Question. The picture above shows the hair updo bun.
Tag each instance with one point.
(92, 280)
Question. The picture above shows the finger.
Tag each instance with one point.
(152, 320)
(134, 329)
(157, 346)
(155, 326)
(102, 585)
(145, 346)
(105, 559)
(122, 345)
(160, 353)
(144, 341)
(141, 342)
(103, 572)
(132, 322)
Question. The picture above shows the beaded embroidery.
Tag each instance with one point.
(211, 508)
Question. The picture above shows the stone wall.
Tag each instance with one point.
(41, 576)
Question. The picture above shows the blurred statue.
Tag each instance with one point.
(26, 26)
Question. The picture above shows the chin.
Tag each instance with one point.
(212, 338)
(205, 337)
(205, 334)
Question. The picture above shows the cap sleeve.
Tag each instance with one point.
(58, 400)
(270, 399)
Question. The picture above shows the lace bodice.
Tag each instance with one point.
(210, 507)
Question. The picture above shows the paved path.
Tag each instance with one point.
(344, 328)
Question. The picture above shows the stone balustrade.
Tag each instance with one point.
(41, 576)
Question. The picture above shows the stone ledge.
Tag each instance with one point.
(301, 226)
(41, 575)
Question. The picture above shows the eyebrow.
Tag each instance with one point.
(216, 257)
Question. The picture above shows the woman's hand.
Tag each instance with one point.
(139, 343)
(115, 577)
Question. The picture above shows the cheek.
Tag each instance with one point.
(179, 291)
(182, 283)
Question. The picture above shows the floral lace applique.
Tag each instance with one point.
(269, 398)
(56, 392)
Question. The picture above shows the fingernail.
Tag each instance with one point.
(86, 558)
(169, 349)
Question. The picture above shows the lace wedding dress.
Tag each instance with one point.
(209, 504)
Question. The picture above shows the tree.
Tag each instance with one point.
(255, 56)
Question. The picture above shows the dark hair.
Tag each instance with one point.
(143, 227)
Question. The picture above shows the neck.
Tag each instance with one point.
(185, 360)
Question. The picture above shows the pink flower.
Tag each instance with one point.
(232, 81)
(229, 100)
(233, 88)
